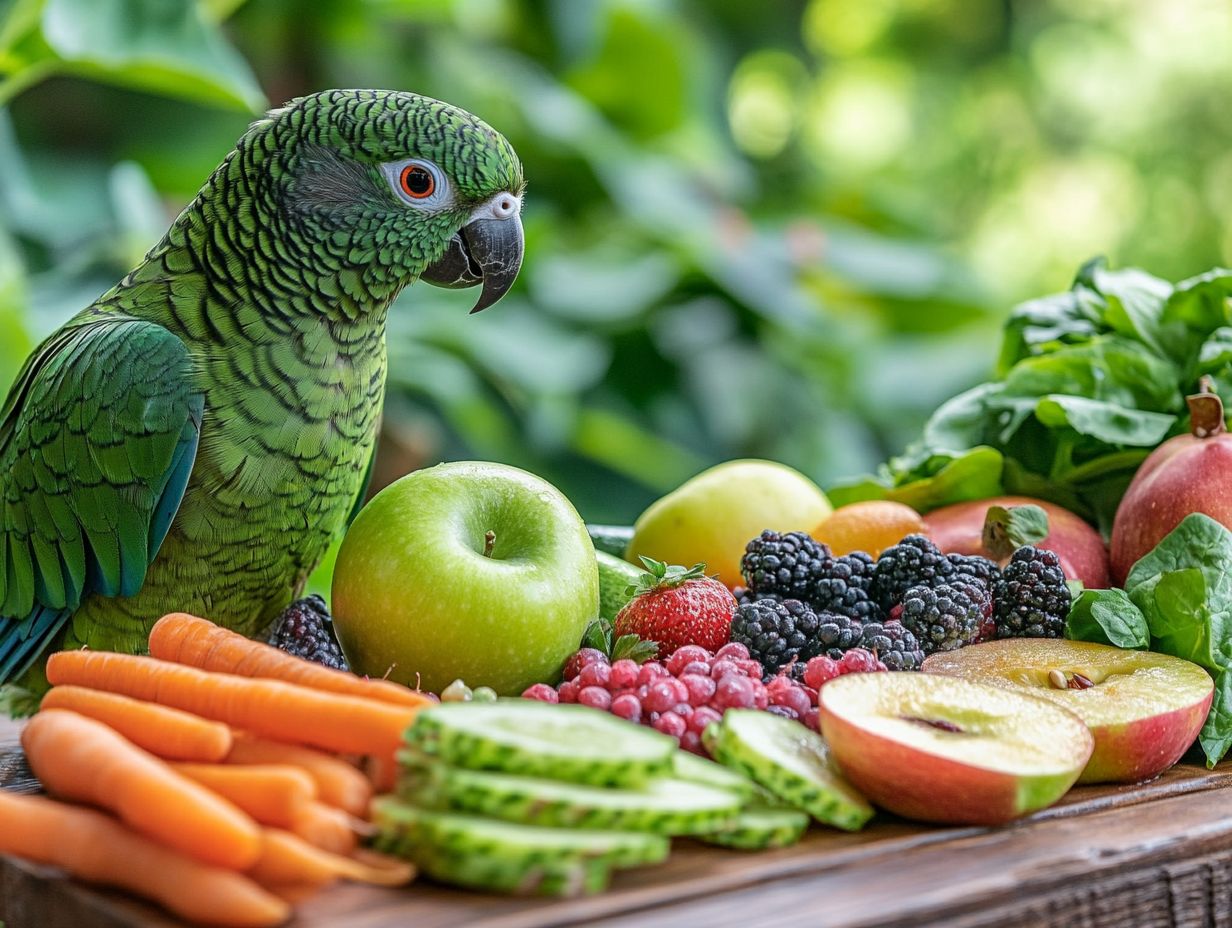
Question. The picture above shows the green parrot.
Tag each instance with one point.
(195, 439)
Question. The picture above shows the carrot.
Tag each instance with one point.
(272, 795)
(289, 860)
(186, 639)
(167, 733)
(81, 759)
(94, 847)
(338, 783)
(383, 772)
(282, 711)
(326, 827)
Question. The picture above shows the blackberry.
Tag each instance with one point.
(894, 645)
(972, 565)
(776, 633)
(942, 617)
(783, 565)
(837, 633)
(844, 588)
(744, 595)
(914, 561)
(982, 593)
(1032, 596)
(305, 629)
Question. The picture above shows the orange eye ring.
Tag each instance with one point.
(417, 182)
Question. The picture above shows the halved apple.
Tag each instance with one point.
(1144, 709)
(943, 749)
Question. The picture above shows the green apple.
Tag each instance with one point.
(710, 518)
(469, 570)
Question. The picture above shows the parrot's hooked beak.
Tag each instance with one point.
(487, 250)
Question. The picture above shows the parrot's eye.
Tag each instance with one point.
(417, 182)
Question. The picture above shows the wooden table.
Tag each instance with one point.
(1146, 856)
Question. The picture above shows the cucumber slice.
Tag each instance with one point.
(417, 833)
(792, 762)
(611, 539)
(665, 806)
(696, 769)
(529, 738)
(759, 828)
(615, 576)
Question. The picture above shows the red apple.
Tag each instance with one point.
(1144, 709)
(944, 749)
(959, 529)
(1186, 474)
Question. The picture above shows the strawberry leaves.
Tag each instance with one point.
(661, 576)
(599, 636)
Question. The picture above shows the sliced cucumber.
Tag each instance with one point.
(611, 539)
(699, 770)
(423, 834)
(529, 738)
(761, 827)
(665, 806)
(616, 575)
(792, 762)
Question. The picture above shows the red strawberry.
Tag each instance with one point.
(676, 606)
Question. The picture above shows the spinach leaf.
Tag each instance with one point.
(1109, 422)
(1107, 617)
(1216, 734)
(929, 480)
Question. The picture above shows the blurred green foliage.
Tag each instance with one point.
(781, 229)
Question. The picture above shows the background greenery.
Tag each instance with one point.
(780, 229)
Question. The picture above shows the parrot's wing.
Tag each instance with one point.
(97, 440)
(363, 488)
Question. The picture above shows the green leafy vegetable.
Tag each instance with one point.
(1089, 382)
(1216, 734)
(1107, 617)
(1009, 528)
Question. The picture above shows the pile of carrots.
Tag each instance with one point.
(217, 777)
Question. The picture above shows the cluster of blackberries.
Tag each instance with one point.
(803, 602)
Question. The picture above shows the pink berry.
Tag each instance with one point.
(750, 668)
(761, 699)
(721, 668)
(858, 660)
(583, 658)
(541, 692)
(568, 691)
(734, 650)
(670, 724)
(735, 692)
(665, 693)
(812, 718)
(623, 691)
(650, 671)
(820, 670)
(683, 709)
(624, 674)
(627, 707)
(642, 692)
(779, 684)
(702, 667)
(596, 674)
(784, 712)
(595, 696)
(686, 654)
(793, 698)
(701, 688)
(701, 717)
(691, 741)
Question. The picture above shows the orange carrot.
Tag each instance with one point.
(326, 827)
(289, 860)
(84, 760)
(186, 639)
(282, 711)
(94, 847)
(383, 772)
(272, 795)
(167, 733)
(338, 783)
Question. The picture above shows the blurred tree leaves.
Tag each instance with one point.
(163, 46)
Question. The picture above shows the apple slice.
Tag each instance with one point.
(943, 749)
(1144, 709)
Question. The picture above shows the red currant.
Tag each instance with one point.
(670, 724)
(596, 674)
(734, 650)
(624, 674)
(701, 688)
(541, 692)
(583, 658)
(628, 707)
(595, 696)
(686, 654)
(820, 670)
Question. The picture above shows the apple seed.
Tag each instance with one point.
(1057, 679)
(1079, 682)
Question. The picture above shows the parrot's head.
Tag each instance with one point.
(395, 187)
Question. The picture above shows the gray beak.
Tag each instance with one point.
(486, 250)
